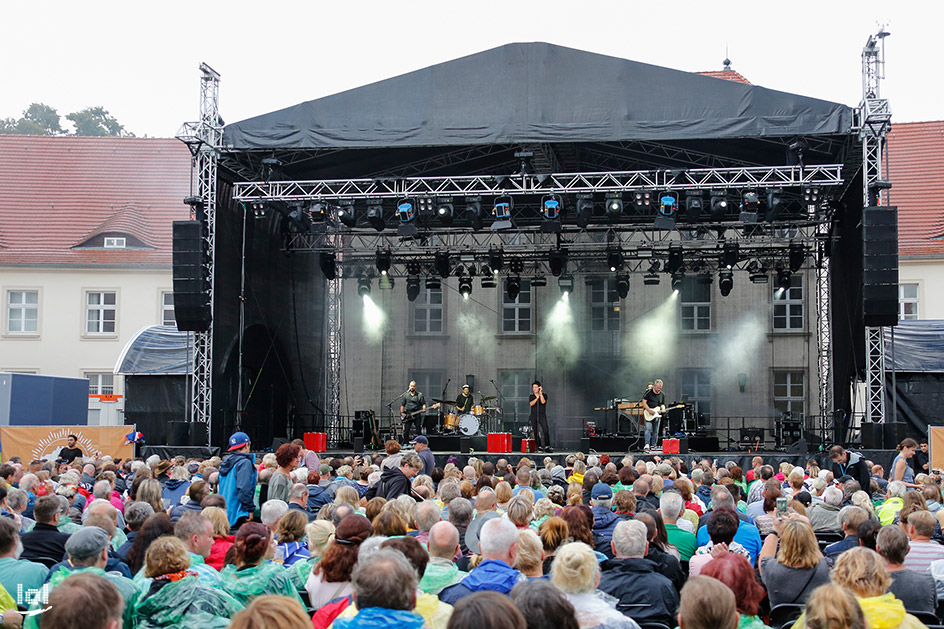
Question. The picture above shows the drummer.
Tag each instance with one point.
(464, 401)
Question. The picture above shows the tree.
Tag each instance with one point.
(98, 122)
(38, 119)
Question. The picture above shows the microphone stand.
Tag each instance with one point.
(501, 403)
(440, 416)
(390, 407)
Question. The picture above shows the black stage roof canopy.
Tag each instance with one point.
(539, 93)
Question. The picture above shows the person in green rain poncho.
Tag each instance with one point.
(175, 597)
(87, 551)
(255, 573)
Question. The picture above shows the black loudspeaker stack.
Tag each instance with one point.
(884, 436)
(191, 284)
(880, 266)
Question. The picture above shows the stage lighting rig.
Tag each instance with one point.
(726, 281)
(441, 263)
(426, 206)
(412, 287)
(363, 286)
(375, 214)
(513, 287)
(614, 259)
(538, 281)
(719, 205)
(551, 206)
(258, 209)
(757, 272)
(328, 263)
(774, 204)
(406, 210)
(465, 286)
(433, 283)
(346, 213)
(445, 210)
(642, 199)
(557, 259)
(674, 262)
(473, 211)
(796, 256)
(517, 266)
(496, 259)
(583, 211)
(614, 205)
(502, 212)
(694, 204)
(489, 280)
(566, 284)
(811, 196)
(622, 285)
(317, 211)
(750, 204)
(677, 278)
(668, 207)
(384, 258)
(730, 253)
(783, 280)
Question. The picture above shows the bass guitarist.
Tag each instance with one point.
(653, 404)
(411, 410)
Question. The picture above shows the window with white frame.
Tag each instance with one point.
(696, 384)
(167, 309)
(907, 302)
(100, 312)
(429, 383)
(604, 316)
(115, 242)
(515, 385)
(22, 311)
(788, 305)
(516, 313)
(790, 392)
(695, 304)
(101, 383)
(428, 312)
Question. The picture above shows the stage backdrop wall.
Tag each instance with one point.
(44, 442)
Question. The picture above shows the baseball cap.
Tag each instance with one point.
(601, 490)
(421, 439)
(238, 440)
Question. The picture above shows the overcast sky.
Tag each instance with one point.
(139, 60)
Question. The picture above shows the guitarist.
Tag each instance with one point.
(653, 404)
(411, 410)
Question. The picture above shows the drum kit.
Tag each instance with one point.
(482, 418)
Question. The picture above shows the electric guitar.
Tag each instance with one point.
(408, 416)
(657, 412)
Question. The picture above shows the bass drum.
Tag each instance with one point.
(451, 421)
(468, 424)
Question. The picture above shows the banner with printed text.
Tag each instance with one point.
(32, 443)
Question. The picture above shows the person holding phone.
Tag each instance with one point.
(791, 565)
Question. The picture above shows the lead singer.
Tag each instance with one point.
(538, 402)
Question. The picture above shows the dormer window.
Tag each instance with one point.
(112, 242)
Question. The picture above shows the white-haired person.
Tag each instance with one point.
(576, 573)
(498, 543)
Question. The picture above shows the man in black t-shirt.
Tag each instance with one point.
(538, 402)
(413, 401)
(464, 401)
(70, 452)
(653, 403)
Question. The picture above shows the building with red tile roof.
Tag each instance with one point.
(85, 249)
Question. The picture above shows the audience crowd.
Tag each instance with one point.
(288, 539)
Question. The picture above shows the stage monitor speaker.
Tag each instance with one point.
(358, 443)
(873, 436)
(585, 444)
(191, 283)
(683, 445)
(894, 433)
(199, 434)
(178, 433)
(357, 428)
(465, 444)
(880, 266)
(702, 444)
(800, 447)
(277, 442)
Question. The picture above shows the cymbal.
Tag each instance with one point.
(488, 398)
(444, 401)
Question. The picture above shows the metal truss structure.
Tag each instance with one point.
(874, 124)
(204, 138)
(748, 178)
(333, 335)
(824, 357)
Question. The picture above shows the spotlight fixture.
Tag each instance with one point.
(496, 259)
(719, 205)
(758, 273)
(426, 206)
(622, 285)
(557, 259)
(749, 207)
(583, 211)
(433, 283)
(566, 284)
(538, 281)
(486, 270)
(650, 279)
(317, 211)
(502, 212)
(730, 254)
(614, 259)
(677, 278)
(674, 263)
(258, 209)
(465, 286)
(488, 280)
(445, 210)
(412, 287)
(551, 206)
(516, 265)
(774, 204)
(363, 286)
(328, 263)
(384, 258)
(513, 287)
(811, 196)
(726, 281)
(614, 205)
(375, 214)
(783, 280)
(668, 207)
(796, 256)
(642, 199)
(694, 204)
(406, 210)
(346, 213)
(473, 211)
(441, 262)
(385, 282)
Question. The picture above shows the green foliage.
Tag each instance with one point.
(40, 119)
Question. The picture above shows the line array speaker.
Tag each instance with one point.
(191, 284)
(880, 266)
